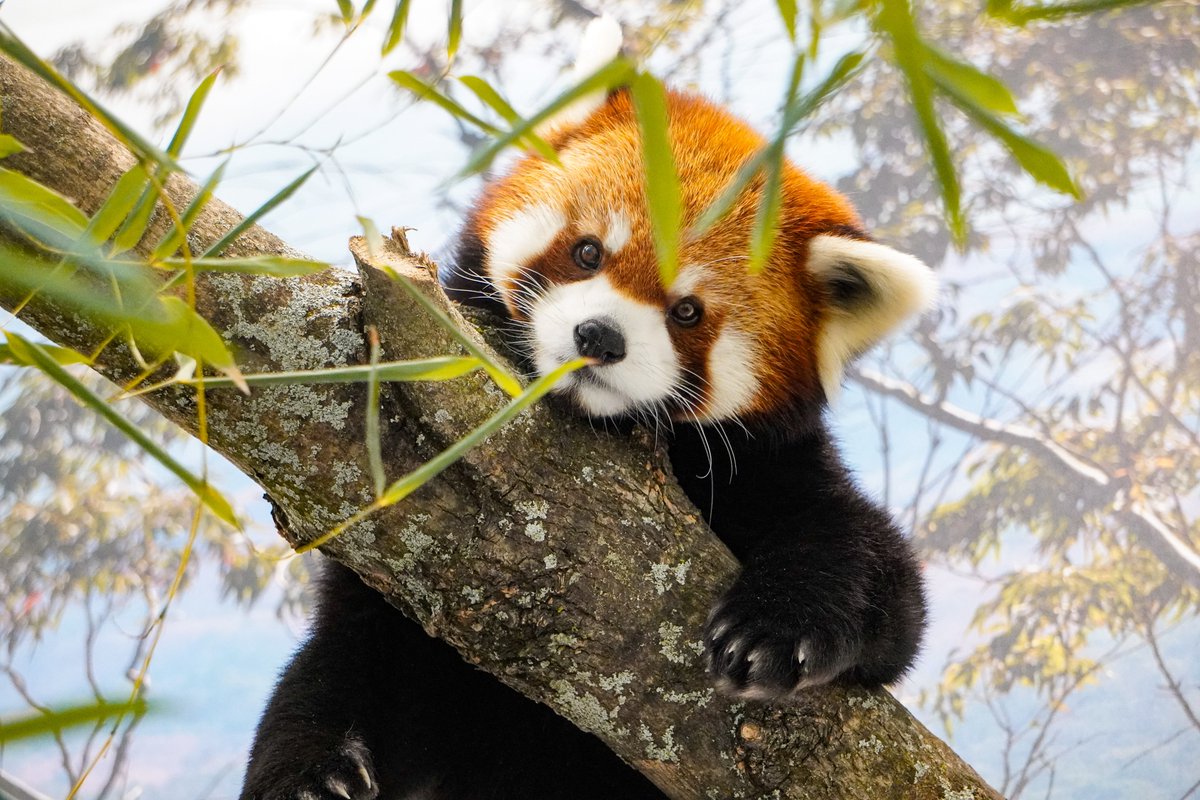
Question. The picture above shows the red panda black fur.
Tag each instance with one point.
(722, 359)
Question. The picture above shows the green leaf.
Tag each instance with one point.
(430, 469)
(616, 73)
(38, 210)
(787, 10)
(62, 355)
(42, 723)
(136, 224)
(272, 266)
(798, 111)
(493, 99)
(421, 475)
(177, 235)
(15, 49)
(1036, 159)
(968, 81)
(1021, 15)
(454, 35)
(253, 217)
(374, 439)
(721, 205)
(894, 18)
(185, 331)
(442, 368)
(664, 198)
(395, 30)
(425, 91)
(10, 146)
(117, 206)
(372, 235)
(367, 8)
(496, 371)
(190, 114)
(34, 355)
(766, 219)
(346, 8)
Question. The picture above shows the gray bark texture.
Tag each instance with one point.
(566, 562)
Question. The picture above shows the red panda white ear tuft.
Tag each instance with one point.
(872, 290)
(601, 43)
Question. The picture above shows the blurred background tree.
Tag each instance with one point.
(1041, 432)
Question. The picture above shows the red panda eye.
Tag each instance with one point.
(687, 312)
(587, 254)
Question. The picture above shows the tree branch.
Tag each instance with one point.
(1175, 552)
(568, 564)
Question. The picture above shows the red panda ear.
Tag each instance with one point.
(872, 289)
(601, 43)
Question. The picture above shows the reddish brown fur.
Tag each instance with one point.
(780, 308)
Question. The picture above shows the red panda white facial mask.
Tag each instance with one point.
(759, 344)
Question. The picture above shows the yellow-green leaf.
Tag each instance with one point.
(494, 100)
(664, 198)
(191, 112)
(38, 210)
(616, 73)
(787, 10)
(425, 91)
(969, 81)
(454, 35)
(395, 30)
(41, 723)
(10, 146)
(442, 368)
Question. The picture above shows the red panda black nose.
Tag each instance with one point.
(595, 338)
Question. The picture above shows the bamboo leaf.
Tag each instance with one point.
(616, 73)
(38, 210)
(430, 469)
(421, 475)
(272, 266)
(136, 224)
(967, 80)
(117, 206)
(346, 9)
(498, 373)
(894, 18)
(1022, 15)
(10, 146)
(454, 35)
(190, 113)
(664, 198)
(37, 724)
(34, 355)
(766, 219)
(62, 355)
(493, 99)
(395, 29)
(1036, 159)
(443, 368)
(253, 217)
(721, 205)
(374, 442)
(787, 10)
(425, 91)
(175, 237)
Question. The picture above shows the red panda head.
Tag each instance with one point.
(569, 251)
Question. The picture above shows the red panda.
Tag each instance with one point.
(830, 589)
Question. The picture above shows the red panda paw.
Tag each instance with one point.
(756, 650)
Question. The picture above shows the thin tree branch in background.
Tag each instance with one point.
(1175, 552)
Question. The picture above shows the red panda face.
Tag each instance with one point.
(568, 248)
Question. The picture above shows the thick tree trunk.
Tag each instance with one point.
(567, 563)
